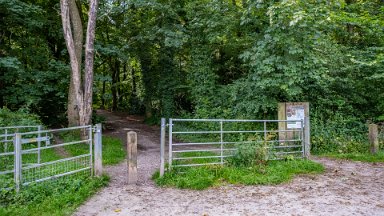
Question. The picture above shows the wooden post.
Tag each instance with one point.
(97, 139)
(282, 125)
(373, 138)
(162, 146)
(132, 157)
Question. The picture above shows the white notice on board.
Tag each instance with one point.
(295, 113)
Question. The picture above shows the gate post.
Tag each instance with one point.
(170, 145)
(39, 144)
(162, 146)
(18, 161)
(373, 139)
(307, 137)
(97, 139)
(132, 157)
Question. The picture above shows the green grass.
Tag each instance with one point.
(363, 157)
(58, 197)
(113, 152)
(273, 172)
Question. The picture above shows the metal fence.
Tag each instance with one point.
(40, 155)
(197, 142)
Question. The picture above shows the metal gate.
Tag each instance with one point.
(41, 155)
(198, 142)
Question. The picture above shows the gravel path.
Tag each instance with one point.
(346, 188)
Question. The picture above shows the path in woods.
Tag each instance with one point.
(346, 188)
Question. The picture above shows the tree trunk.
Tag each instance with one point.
(115, 73)
(89, 60)
(80, 93)
(103, 91)
(75, 95)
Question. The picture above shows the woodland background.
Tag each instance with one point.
(204, 59)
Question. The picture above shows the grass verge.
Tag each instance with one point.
(363, 157)
(273, 172)
(59, 197)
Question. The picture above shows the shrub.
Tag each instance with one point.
(17, 118)
(338, 134)
(249, 154)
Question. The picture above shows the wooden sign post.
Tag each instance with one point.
(294, 111)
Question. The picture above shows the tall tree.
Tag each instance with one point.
(80, 93)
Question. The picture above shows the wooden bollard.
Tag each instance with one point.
(373, 138)
(132, 157)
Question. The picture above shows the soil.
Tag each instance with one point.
(346, 188)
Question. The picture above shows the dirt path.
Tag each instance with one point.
(346, 188)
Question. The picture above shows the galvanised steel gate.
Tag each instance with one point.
(40, 155)
(197, 142)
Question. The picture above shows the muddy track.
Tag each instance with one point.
(346, 188)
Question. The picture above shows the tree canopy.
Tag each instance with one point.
(201, 58)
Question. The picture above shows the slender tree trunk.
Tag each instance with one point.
(115, 74)
(103, 91)
(134, 85)
(89, 60)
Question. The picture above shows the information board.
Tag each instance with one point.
(295, 112)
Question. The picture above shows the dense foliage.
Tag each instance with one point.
(205, 58)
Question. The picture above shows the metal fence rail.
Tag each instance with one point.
(196, 142)
(40, 155)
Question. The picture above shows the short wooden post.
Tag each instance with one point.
(97, 139)
(373, 138)
(162, 146)
(132, 157)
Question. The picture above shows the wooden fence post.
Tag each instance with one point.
(97, 139)
(132, 157)
(373, 138)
